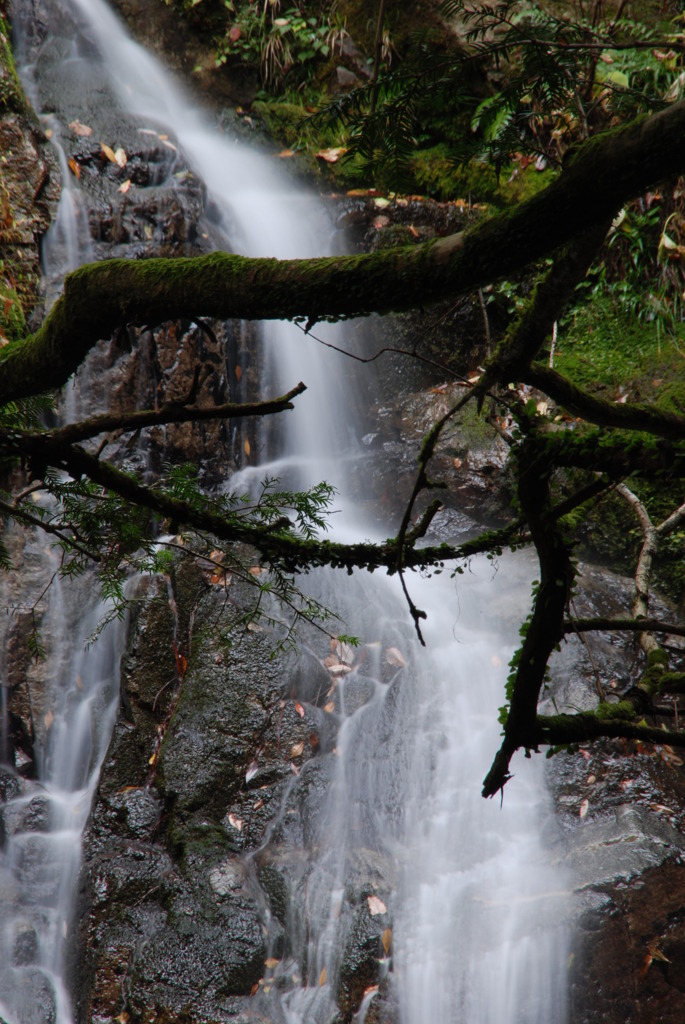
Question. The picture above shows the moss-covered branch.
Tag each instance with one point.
(558, 730)
(545, 627)
(281, 546)
(598, 179)
(625, 416)
(172, 412)
(607, 624)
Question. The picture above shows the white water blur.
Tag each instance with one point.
(478, 933)
(40, 860)
(258, 213)
(67, 245)
(480, 926)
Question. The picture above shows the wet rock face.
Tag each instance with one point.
(176, 920)
(620, 808)
(29, 190)
(211, 810)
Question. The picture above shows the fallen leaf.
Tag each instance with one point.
(252, 770)
(376, 906)
(338, 669)
(120, 157)
(219, 658)
(236, 822)
(271, 962)
(591, 779)
(238, 372)
(394, 657)
(48, 719)
(381, 202)
(255, 989)
(661, 808)
(299, 709)
(413, 231)
(286, 154)
(81, 129)
(246, 447)
(313, 741)
(108, 152)
(74, 167)
(255, 570)
(381, 222)
(583, 808)
(386, 939)
(331, 156)
(297, 749)
(322, 977)
(258, 804)
(330, 706)
(169, 145)
(371, 990)
(125, 186)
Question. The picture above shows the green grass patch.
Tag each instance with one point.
(606, 349)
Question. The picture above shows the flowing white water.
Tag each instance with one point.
(44, 820)
(477, 911)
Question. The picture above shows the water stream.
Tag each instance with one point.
(477, 908)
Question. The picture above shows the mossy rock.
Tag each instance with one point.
(437, 173)
(11, 94)
(12, 322)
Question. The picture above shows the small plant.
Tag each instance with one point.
(278, 43)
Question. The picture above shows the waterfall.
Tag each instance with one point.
(43, 820)
(476, 906)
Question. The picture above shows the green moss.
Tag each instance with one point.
(437, 174)
(282, 119)
(12, 322)
(11, 93)
(657, 657)
(623, 711)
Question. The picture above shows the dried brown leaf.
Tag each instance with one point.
(81, 129)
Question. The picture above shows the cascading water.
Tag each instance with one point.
(476, 908)
(43, 820)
